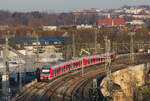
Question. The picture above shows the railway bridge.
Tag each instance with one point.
(74, 86)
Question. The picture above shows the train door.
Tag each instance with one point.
(80, 63)
(74, 65)
(67, 67)
(64, 67)
(97, 59)
(91, 60)
(71, 66)
(54, 72)
(84, 62)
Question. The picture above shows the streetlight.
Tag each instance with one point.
(96, 40)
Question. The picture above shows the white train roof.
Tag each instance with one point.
(78, 59)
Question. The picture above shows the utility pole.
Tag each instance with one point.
(19, 74)
(36, 62)
(114, 50)
(37, 38)
(113, 46)
(132, 46)
(5, 77)
(82, 68)
(25, 59)
(95, 40)
(95, 90)
(108, 66)
(75, 19)
(73, 45)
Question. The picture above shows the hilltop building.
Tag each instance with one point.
(111, 22)
(49, 28)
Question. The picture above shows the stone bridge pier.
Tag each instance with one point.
(126, 81)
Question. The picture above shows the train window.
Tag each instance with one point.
(62, 68)
(80, 63)
(97, 59)
(71, 66)
(101, 59)
(56, 71)
(59, 70)
(53, 72)
(74, 64)
(68, 66)
(88, 61)
(45, 70)
(46, 73)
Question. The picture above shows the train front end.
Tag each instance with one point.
(46, 73)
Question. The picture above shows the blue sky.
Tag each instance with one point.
(65, 5)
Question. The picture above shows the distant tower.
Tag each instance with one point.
(112, 22)
(109, 16)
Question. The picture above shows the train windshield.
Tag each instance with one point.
(45, 70)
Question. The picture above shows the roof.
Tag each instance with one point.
(112, 22)
(40, 39)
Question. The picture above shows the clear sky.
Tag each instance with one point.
(65, 5)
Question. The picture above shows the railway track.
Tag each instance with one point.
(29, 91)
(72, 86)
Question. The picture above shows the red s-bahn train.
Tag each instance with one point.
(49, 72)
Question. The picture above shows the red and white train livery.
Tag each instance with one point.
(49, 72)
